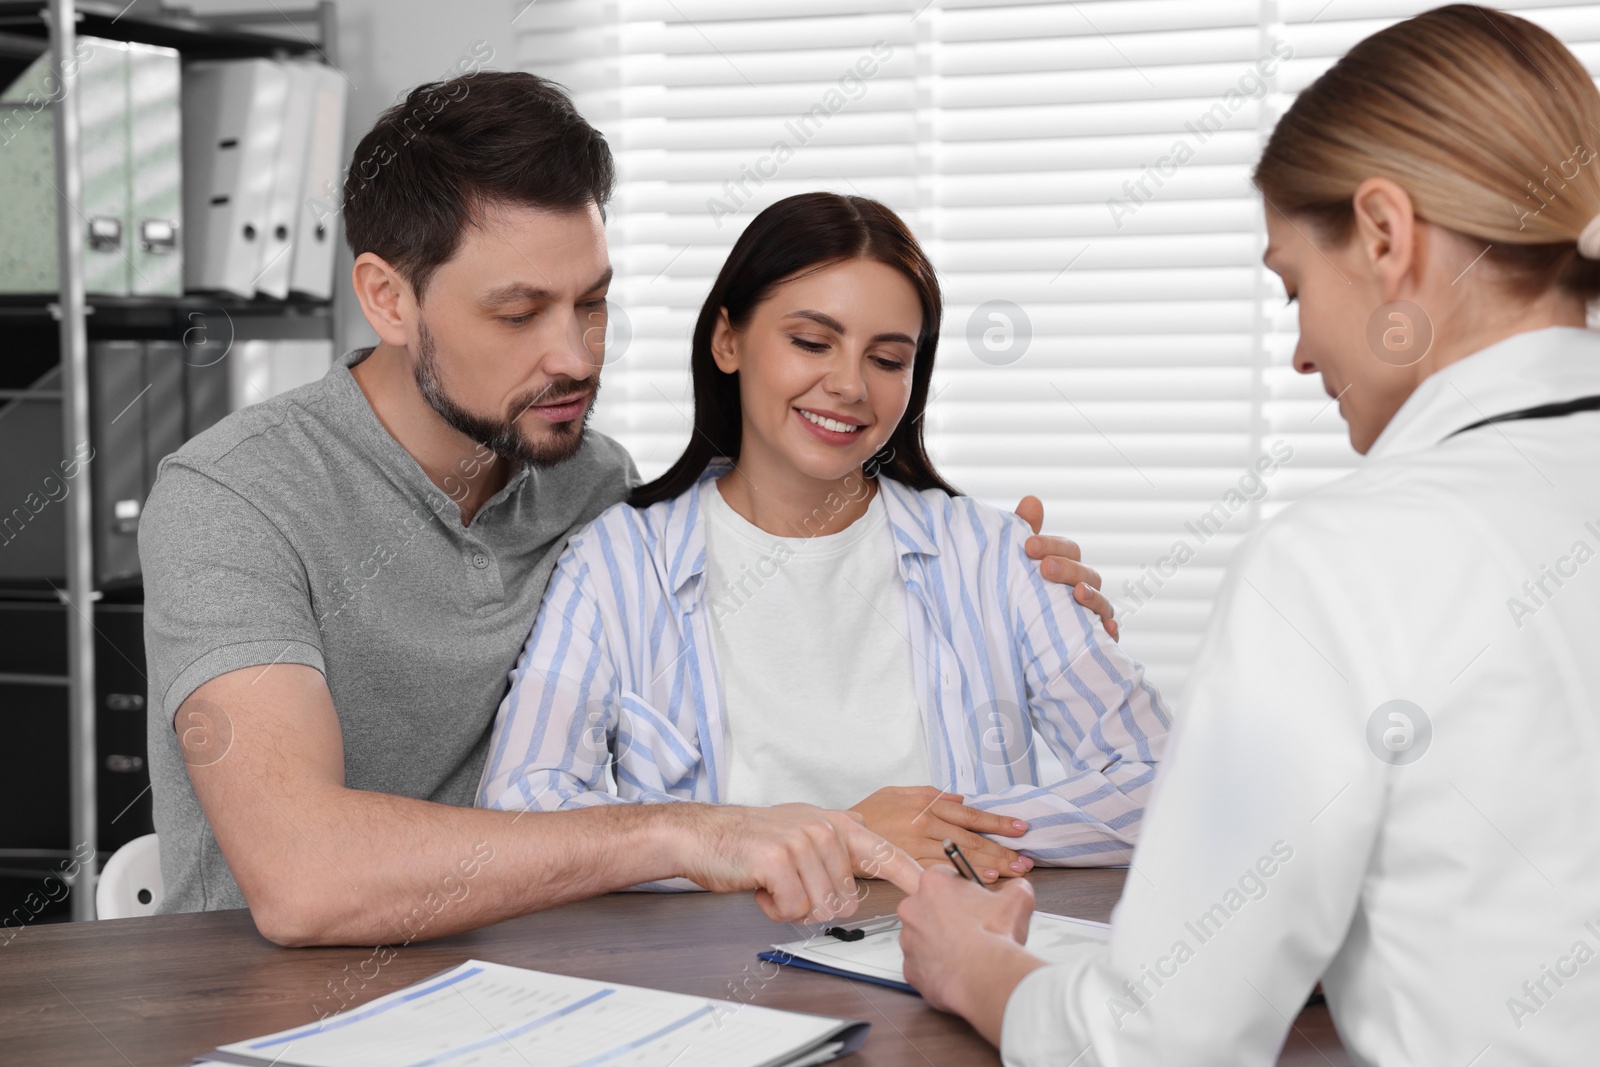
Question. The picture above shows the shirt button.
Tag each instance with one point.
(479, 560)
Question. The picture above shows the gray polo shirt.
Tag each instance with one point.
(299, 531)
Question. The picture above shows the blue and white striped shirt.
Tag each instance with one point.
(616, 697)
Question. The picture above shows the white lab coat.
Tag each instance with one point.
(1451, 904)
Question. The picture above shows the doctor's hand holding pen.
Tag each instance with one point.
(963, 944)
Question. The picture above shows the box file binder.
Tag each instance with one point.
(136, 418)
(28, 256)
(300, 363)
(317, 220)
(155, 154)
(263, 369)
(288, 177)
(118, 392)
(249, 374)
(233, 123)
(102, 98)
(99, 89)
(35, 481)
(205, 396)
(164, 415)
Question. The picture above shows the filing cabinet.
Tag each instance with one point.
(33, 761)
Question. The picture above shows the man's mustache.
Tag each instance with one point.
(557, 391)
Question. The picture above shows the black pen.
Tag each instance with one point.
(959, 860)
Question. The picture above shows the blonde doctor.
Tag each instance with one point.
(1386, 772)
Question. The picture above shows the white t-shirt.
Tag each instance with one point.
(815, 668)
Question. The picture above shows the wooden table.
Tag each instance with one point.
(155, 992)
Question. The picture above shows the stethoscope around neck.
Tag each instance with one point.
(1542, 411)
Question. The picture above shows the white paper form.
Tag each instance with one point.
(1053, 938)
(490, 1015)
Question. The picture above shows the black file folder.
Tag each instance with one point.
(118, 392)
(165, 415)
(205, 387)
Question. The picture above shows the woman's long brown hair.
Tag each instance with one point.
(797, 235)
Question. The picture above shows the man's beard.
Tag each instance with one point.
(502, 436)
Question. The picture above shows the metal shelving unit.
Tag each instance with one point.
(80, 593)
(63, 21)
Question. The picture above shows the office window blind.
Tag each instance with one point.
(1079, 173)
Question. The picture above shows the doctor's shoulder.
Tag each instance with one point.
(1379, 528)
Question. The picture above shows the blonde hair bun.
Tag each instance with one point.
(1485, 119)
(1589, 240)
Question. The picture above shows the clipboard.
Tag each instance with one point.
(875, 956)
(778, 956)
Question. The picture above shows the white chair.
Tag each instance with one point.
(131, 882)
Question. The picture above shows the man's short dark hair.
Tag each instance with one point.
(431, 163)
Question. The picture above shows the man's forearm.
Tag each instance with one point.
(319, 863)
(322, 864)
(371, 868)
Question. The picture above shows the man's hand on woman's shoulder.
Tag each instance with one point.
(1061, 560)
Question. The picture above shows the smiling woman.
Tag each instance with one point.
(801, 609)
(801, 236)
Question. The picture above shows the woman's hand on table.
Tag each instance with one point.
(919, 819)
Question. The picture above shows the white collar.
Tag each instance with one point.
(1526, 370)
